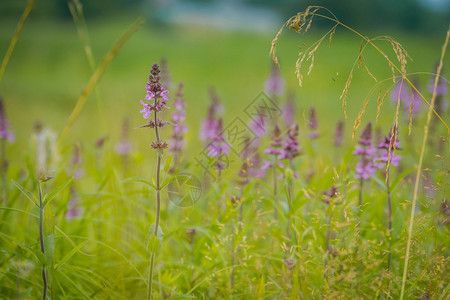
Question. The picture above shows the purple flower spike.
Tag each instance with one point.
(178, 117)
(218, 145)
(339, 134)
(289, 110)
(155, 91)
(312, 124)
(388, 146)
(209, 125)
(407, 97)
(4, 125)
(291, 148)
(274, 85)
(365, 168)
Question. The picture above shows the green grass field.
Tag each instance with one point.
(103, 253)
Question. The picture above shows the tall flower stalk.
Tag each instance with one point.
(365, 168)
(157, 93)
(388, 146)
(5, 136)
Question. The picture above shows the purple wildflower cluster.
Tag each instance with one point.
(209, 125)
(373, 158)
(178, 118)
(211, 132)
(274, 85)
(313, 124)
(4, 125)
(291, 147)
(157, 93)
(365, 168)
(387, 148)
(155, 90)
(407, 96)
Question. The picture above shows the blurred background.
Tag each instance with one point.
(221, 44)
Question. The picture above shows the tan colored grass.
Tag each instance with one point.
(419, 168)
(95, 78)
(15, 37)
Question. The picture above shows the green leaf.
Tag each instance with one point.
(70, 254)
(140, 179)
(49, 247)
(49, 197)
(154, 242)
(399, 178)
(380, 182)
(27, 193)
(41, 258)
(168, 162)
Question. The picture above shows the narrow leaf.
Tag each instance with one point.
(140, 179)
(27, 193)
(70, 254)
(49, 197)
(168, 162)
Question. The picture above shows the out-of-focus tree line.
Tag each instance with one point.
(408, 15)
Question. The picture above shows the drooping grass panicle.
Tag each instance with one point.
(297, 23)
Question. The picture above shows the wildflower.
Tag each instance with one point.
(409, 97)
(330, 194)
(155, 90)
(441, 88)
(208, 126)
(178, 117)
(218, 145)
(365, 168)
(312, 124)
(339, 134)
(4, 125)
(235, 201)
(291, 148)
(288, 113)
(165, 77)
(259, 123)
(274, 85)
(123, 147)
(389, 145)
(290, 263)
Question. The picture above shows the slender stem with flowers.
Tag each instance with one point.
(156, 92)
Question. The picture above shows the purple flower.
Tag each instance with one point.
(365, 167)
(274, 85)
(339, 134)
(208, 127)
(259, 124)
(312, 124)
(155, 91)
(388, 146)
(276, 144)
(442, 87)
(291, 148)
(407, 97)
(178, 116)
(4, 125)
(218, 145)
(74, 210)
(288, 114)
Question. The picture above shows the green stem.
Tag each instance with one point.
(389, 204)
(41, 239)
(158, 207)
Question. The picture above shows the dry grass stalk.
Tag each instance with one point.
(15, 37)
(419, 167)
(95, 78)
(359, 117)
